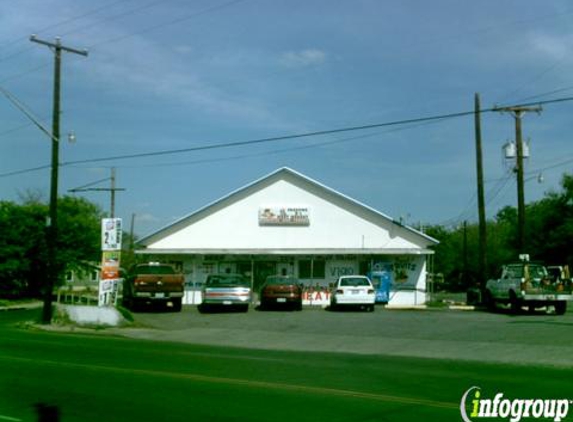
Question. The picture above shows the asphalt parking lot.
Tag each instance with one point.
(540, 338)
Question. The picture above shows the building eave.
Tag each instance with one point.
(268, 251)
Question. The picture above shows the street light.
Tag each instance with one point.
(51, 221)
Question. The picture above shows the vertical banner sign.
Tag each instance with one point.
(111, 233)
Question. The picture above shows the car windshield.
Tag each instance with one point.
(226, 280)
(354, 282)
(154, 269)
(281, 281)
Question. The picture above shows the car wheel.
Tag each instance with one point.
(134, 305)
(489, 301)
(203, 308)
(560, 307)
(332, 306)
(177, 305)
(514, 303)
(298, 306)
(245, 308)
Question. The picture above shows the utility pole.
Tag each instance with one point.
(465, 277)
(112, 189)
(517, 112)
(52, 230)
(482, 259)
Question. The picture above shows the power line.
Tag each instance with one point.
(168, 23)
(267, 140)
(288, 137)
(115, 17)
(301, 135)
(119, 38)
(56, 25)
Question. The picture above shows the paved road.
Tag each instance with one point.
(538, 339)
(103, 378)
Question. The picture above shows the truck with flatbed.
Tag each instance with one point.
(528, 284)
(153, 283)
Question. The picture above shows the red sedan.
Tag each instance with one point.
(281, 291)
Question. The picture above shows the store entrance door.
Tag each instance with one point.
(263, 269)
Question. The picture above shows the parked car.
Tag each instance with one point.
(353, 290)
(226, 290)
(281, 290)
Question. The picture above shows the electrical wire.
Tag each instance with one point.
(302, 135)
(276, 151)
(56, 25)
(64, 22)
(275, 139)
(168, 23)
(115, 39)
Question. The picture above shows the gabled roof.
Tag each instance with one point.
(283, 173)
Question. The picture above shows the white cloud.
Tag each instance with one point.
(303, 58)
(554, 47)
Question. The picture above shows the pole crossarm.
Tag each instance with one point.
(58, 45)
(112, 189)
(96, 189)
(518, 110)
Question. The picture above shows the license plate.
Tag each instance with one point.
(355, 292)
(550, 297)
(281, 300)
(160, 295)
(227, 302)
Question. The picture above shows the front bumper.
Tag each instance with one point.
(545, 297)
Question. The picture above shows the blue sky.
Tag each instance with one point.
(177, 74)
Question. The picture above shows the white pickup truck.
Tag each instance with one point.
(528, 284)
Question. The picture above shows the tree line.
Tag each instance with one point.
(549, 239)
(23, 254)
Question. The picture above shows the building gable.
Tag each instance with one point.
(286, 211)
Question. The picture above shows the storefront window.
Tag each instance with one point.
(312, 269)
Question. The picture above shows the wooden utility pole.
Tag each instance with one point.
(52, 232)
(112, 189)
(517, 112)
(482, 258)
(465, 277)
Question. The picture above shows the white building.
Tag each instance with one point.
(287, 223)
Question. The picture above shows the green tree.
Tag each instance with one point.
(550, 225)
(23, 257)
(22, 247)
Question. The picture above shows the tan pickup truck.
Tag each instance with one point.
(153, 283)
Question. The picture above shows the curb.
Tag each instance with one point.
(462, 307)
(21, 307)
